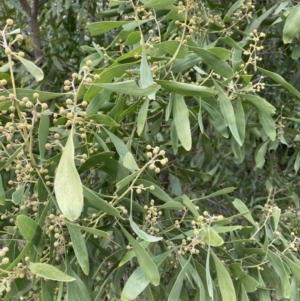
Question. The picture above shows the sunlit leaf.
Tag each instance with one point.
(35, 71)
(292, 25)
(67, 183)
(182, 122)
(224, 280)
(48, 271)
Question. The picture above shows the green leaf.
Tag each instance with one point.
(99, 203)
(92, 231)
(2, 192)
(276, 212)
(292, 25)
(260, 154)
(18, 195)
(30, 230)
(129, 162)
(142, 117)
(129, 87)
(129, 255)
(249, 283)
(186, 89)
(137, 281)
(79, 247)
(123, 151)
(268, 124)
(182, 122)
(103, 120)
(209, 280)
(145, 75)
(293, 266)
(217, 193)
(228, 113)
(157, 192)
(48, 271)
(280, 80)
(215, 63)
(240, 120)
(43, 134)
(225, 283)
(140, 233)
(158, 4)
(242, 208)
(211, 237)
(147, 265)
(176, 288)
(190, 206)
(67, 183)
(260, 103)
(35, 71)
(94, 160)
(98, 28)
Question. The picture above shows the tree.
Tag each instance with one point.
(166, 166)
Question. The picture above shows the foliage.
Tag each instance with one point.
(166, 167)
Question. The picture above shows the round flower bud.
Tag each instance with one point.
(19, 37)
(88, 63)
(36, 95)
(9, 22)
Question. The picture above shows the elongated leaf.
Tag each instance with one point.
(211, 237)
(79, 247)
(209, 280)
(268, 124)
(190, 206)
(129, 162)
(142, 117)
(240, 120)
(280, 80)
(18, 195)
(137, 282)
(182, 122)
(98, 28)
(293, 266)
(228, 113)
(35, 71)
(92, 231)
(242, 208)
(186, 89)
(147, 265)
(129, 87)
(122, 150)
(215, 63)
(158, 192)
(43, 134)
(140, 233)
(144, 244)
(104, 120)
(145, 74)
(260, 154)
(259, 102)
(48, 271)
(99, 203)
(217, 193)
(225, 283)
(30, 230)
(67, 183)
(2, 192)
(175, 291)
(292, 25)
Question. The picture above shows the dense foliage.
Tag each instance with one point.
(149, 150)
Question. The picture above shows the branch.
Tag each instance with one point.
(26, 7)
(35, 8)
